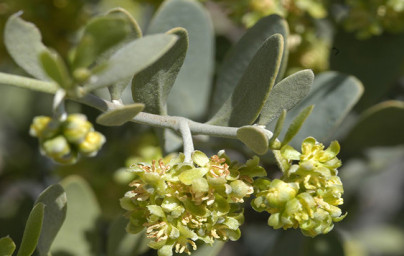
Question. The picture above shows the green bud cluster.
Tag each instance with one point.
(64, 141)
(308, 194)
(180, 202)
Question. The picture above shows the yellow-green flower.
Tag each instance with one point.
(180, 203)
(308, 194)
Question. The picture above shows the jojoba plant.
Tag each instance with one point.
(180, 201)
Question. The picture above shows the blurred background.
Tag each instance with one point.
(356, 37)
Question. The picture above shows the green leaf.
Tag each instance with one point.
(296, 124)
(100, 34)
(54, 199)
(130, 59)
(254, 137)
(135, 32)
(121, 115)
(153, 85)
(238, 58)
(55, 68)
(278, 128)
(334, 95)
(209, 250)
(24, 43)
(79, 234)
(246, 102)
(380, 125)
(7, 246)
(121, 243)
(190, 94)
(286, 94)
(32, 231)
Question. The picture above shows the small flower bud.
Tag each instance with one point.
(38, 125)
(76, 127)
(44, 127)
(92, 143)
(59, 150)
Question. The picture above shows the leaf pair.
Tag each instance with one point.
(43, 224)
(249, 72)
(333, 95)
(98, 44)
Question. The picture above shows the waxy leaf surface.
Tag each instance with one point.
(190, 93)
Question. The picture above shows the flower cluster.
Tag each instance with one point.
(369, 18)
(308, 194)
(180, 202)
(63, 141)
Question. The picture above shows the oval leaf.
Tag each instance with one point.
(119, 116)
(246, 102)
(54, 199)
(78, 235)
(7, 246)
(55, 68)
(381, 125)
(100, 34)
(286, 94)
(255, 138)
(32, 231)
(24, 43)
(334, 95)
(130, 59)
(135, 32)
(241, 54)
(209, 250)
(121, 243)
(190, 94)
(152, 85)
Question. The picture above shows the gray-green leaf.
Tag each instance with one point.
(209, 250)
(121, 115)
(254, 137)
(32, 231)
(130, 59)
(122, 243)
(152, 85)
(381, 125)
(55, 68)
(100, 34)
(24, 43)
(190, 94)
(78, 235)
(135, 32)
(241, 54)
(286, 94)
(54, 199)
(334, 95)
(246, 102)
(7, 246)
(296, 124)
